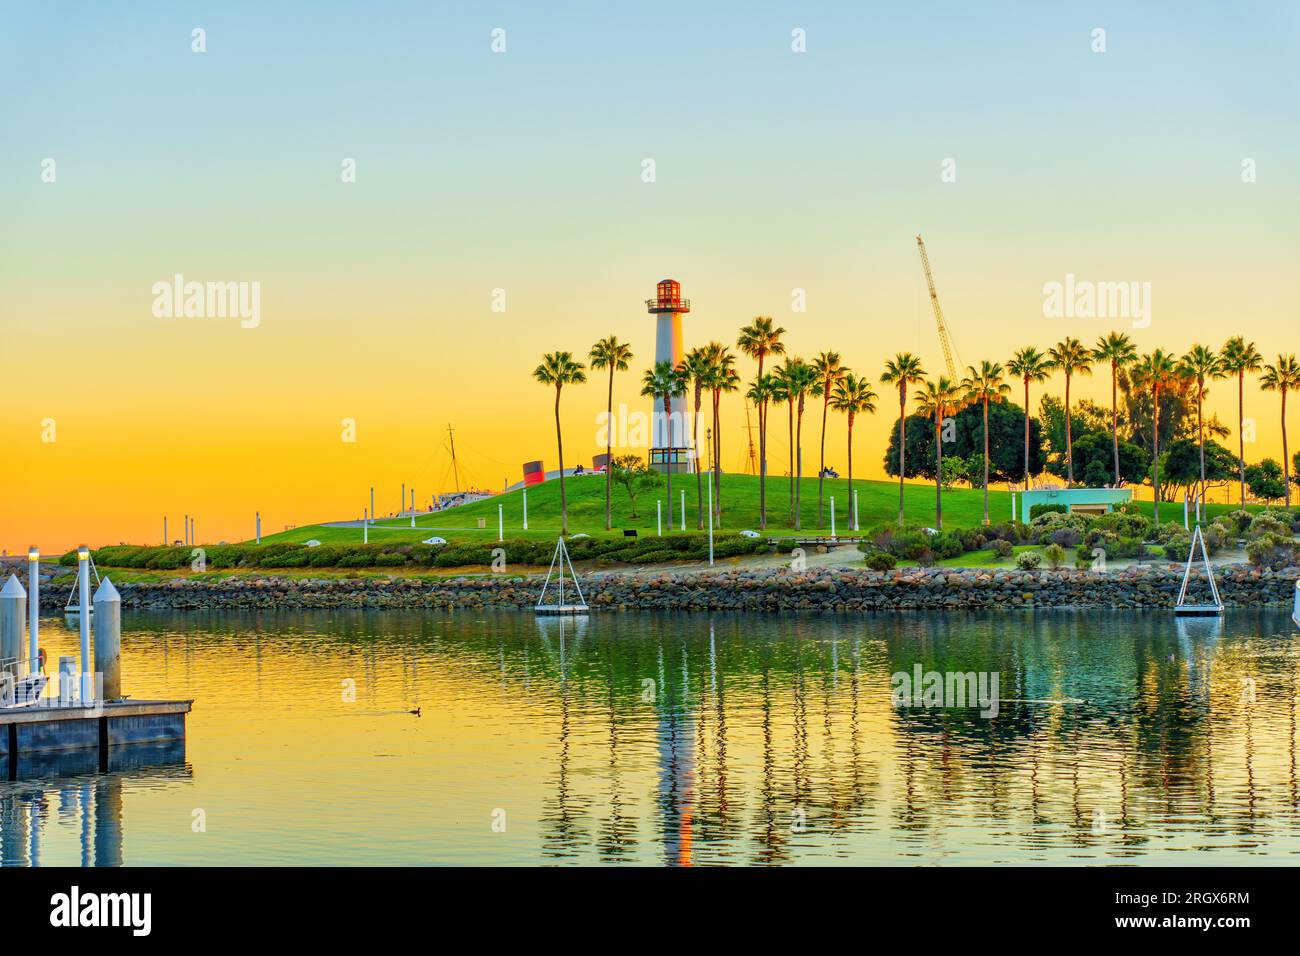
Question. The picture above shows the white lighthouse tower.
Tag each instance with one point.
(669, 440)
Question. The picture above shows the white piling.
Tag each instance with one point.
(855, 512)
(525, 509)
(13, 609)
(501, 522)
(365, 527)
(1013, 506)
(83, 582)
(108, 639)
(832, 516)
(1185, 524)
(34, 609)
(683, 509)
(659, 518)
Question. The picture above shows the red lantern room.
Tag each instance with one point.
(668, 298)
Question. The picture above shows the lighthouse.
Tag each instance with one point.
(669, 440)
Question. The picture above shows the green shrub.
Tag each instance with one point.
(1177, 547)
(1036, 510)
(1273, 551)
(880, 561)
(1028, 560)
(1054, 555)
(356, 559)
(1001, 548)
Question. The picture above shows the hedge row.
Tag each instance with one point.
(648, 550)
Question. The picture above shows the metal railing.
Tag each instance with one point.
(668, 305)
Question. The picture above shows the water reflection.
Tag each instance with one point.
(680, 740)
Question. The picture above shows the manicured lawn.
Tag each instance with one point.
(877, 503)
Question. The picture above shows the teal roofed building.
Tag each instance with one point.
(1092, 501)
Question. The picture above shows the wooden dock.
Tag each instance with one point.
(104, 727)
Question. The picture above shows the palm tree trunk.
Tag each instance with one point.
(1069, 446)
(1155, 456)
(559, 445)
(986, 459)
(902, 447)
(1114, 417)
(851, 523)
(938, 474)
(609, 446)
(798, 475)
(762, 466)
(713, 463)
(1286, 461)
(790, 403)
(821, 467)
(1200, 441)
(1241, 439)
(668, 417)
(1026, 433)
(695, 441)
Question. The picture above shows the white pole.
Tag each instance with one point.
(525, 509)
(83, 578)
(501, 522)
(34, 609)
(365, 527)
(832, 516)
(855, 511)
(1013, 506)
(259, 527)
(1185, 524)
(683, 509)
(659, 518)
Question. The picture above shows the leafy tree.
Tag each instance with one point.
(1264, 479)
(635, 476)
(1006, 428)
(1094, 460)
(559, 369)
(1184, 463)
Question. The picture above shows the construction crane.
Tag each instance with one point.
(949, 352)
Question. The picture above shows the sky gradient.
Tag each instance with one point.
(522, 171)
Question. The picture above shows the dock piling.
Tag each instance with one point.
(13, 609)
(83, 588)
(108, 639)
(34, 609)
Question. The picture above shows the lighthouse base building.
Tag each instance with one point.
(670, 435)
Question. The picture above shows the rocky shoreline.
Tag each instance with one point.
(757, 590)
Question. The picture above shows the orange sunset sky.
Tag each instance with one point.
(522, 170)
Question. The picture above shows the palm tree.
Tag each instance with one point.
(665, 383)
(697, 369)
(782, 393)
(1201, 363)
(1029, 365)
(1119, 351)
(800, 380)
(829, 371)
(1239, 357)
(614, 355)
(902, 370)
(559, 369)
(1282, 377)
(983, 385)
(1072, 358)
(760, 393)
(1155, 372)
(937, 398)
(852, 395)
(757, 340)
(722, 378)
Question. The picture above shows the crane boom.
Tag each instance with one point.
(944, 339)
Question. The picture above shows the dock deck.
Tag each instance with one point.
(103, 726)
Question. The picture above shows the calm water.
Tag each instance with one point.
(1121, 738)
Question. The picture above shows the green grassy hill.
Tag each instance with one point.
(877, 502)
